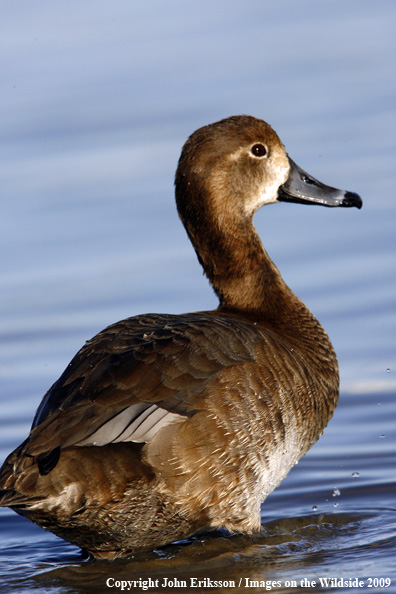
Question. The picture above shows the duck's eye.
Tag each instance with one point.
(258, 150)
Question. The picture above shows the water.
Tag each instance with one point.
(96, 101)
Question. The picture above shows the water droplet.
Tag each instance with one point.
(388, 370)
(355, 474)
(382, 436)
(314, 507)
(336, 505)
(336, 492)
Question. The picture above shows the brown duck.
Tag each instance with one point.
(166, 425)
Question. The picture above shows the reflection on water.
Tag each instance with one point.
(284, 554)
(97, 101)
(288, 544)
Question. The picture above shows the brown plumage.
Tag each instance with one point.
(165, 425)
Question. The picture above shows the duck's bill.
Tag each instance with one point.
(305, 189)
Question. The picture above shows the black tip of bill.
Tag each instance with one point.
(352, 199)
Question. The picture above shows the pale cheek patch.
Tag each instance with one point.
(277, 171)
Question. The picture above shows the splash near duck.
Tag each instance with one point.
(166, 425)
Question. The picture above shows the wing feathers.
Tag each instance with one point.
(138, 376)
(137, 423)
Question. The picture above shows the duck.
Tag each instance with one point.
(166, 426)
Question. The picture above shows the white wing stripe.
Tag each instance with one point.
(157, 418)
(137, 423)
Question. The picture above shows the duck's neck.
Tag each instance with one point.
(241, 272)
(249, 285)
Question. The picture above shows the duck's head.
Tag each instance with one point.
(227, 171)
(239, 164)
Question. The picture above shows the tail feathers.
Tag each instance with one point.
(11, 498)
(18, 477)
(6, 497)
